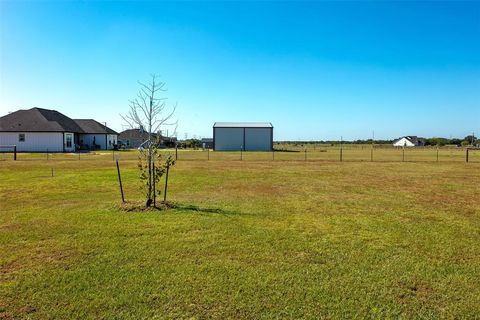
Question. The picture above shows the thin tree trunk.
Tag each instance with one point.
(150, 147)
(154, 183)
(166, 185)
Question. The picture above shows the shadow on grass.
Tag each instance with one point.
(191, 207)
(285, 150)
(137, 207)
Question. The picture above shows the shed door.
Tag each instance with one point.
(258, 139)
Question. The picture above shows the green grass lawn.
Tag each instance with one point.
(250, 239)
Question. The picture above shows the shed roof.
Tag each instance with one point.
(242, 125)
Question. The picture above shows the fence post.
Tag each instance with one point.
(466, 156)
(437, 153)
(120, 182)
(341, 149)
(403, 154)
(176, 152)
(14, 152)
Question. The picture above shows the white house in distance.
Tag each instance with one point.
(409, 141)
(42, 130)
(246, 136)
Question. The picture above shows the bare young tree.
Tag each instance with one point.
(149, 112)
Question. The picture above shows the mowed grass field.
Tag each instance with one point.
(249, 239)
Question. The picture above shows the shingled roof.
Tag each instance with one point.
(44, 120)
(38, 120)
(94, 127)
(135, 134)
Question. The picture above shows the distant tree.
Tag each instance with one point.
(148, 111)
(455, 141)
(436, 142)
(470, 139)
(192, 143)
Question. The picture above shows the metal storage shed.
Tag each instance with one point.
(246, 136)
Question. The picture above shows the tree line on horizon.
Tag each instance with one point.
(435, 141)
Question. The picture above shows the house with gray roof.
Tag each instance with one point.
(135, 138)
(42, 130)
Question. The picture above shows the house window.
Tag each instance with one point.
(21, 137)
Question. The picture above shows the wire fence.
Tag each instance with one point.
(347, 154)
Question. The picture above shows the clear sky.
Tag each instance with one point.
(316, 70)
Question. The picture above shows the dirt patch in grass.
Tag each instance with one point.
(27, 310)
(10, 227)
(5, 315)
(415, 289)
(39, 258)
(24, 312)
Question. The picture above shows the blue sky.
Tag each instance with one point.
(316, 70)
